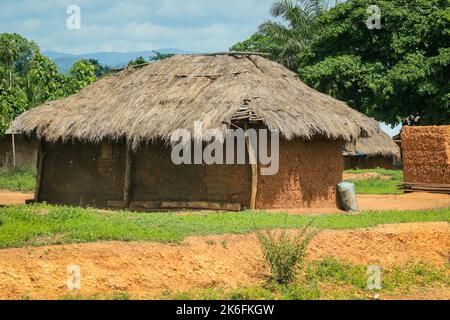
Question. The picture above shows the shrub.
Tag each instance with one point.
(285, 253)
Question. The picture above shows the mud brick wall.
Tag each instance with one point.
(69, 175)
(82, 174)
(26, 151)
(156, 178)
(426, 154)
(308, 175)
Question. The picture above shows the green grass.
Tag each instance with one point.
(378, 185)
(45, 224)
(331, 278)
(23, 179)
(113, 296)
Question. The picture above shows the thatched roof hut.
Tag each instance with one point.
(379, 150)
(151, 102)
(85, 156)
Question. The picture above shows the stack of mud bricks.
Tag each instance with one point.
(426, 154)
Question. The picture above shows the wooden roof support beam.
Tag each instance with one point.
(40, 170)
(127, 178)
(253, 159)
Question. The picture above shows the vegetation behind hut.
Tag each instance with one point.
(392, 73)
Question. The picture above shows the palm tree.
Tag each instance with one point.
(294, 35)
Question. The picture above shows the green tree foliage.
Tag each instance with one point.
(258, 43)
(28, 78)
(42, 82)
(137, 61)
(81, 74)
(284, 40)
(100, 70)
(391, 73)
(12, 103)
(16, 53)
(160, 56)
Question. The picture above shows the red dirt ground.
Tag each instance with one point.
(145, 270)
(364, 176)
(373, 202)
(11, 197)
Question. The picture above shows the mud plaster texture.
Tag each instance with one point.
(426, 154)
(90, 175)
(25, 148)
(308, 174)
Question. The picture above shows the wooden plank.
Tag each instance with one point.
(127, 179)
(40, 170)
(203, 205)
(114, 204)
(253, 159)
(145, 204)
(427, 191)
(13, 149)
(439, 185)
(424, 187)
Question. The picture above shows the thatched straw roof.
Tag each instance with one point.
(147, 103)
(380, 144)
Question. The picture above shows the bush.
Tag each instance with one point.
(284, 253)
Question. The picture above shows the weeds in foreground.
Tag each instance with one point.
(285, 253)
(111, 296)
(332, 279)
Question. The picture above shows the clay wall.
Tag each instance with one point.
(426, 154)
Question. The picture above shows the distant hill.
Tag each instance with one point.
(112, 59)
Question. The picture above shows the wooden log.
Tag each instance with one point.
(424, 187)
(13, 149)
(439, 185)
(115, 204)
(40, 170)
(253, 159)
(127, 178)
(203, 205)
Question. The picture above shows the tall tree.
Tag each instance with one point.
(137, 61)
(392, 73)
(160, 56)
(27, 78)
(100, 69)
(81, 74)
(284, 40)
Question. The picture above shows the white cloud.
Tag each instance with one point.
(32, 24)
(194, 25)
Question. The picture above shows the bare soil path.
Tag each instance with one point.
(13, 197)
(364, 176)
(374, 202)
(145, 270)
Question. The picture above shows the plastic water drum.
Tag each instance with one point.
(347, 196)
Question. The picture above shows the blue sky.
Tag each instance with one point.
(135, 25)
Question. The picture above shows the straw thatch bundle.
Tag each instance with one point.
(151, 102)
(380, 144)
